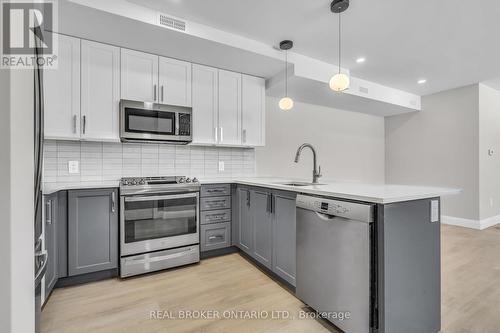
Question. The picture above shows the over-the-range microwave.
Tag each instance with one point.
(155, 123)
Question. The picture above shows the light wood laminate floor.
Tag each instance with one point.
(470, 295)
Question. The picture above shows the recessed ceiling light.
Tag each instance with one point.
(422, 81)
(360, 60)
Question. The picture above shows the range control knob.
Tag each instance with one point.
(188, 180)
(134, 182)
(142, 182)
(125, 182)
(195, 180)
(182, 180)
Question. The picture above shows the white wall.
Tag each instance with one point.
(16, 202)
(439, 146)
(350, 145)
(5, 258)
(489, 138)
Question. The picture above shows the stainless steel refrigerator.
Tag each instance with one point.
(40, 254)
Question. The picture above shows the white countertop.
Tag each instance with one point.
(375, 193)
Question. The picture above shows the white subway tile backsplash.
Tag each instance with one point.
(111, 161)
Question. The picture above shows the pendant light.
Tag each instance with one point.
(340, 81)
(286, 103)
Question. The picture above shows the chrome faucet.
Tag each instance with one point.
(316, 172)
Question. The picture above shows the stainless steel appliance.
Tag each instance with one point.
(149, 122)
(334, 254)
(159, 223)
(40, 254)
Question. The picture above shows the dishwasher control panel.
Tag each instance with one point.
(346, 209)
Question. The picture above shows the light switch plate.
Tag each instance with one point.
(221, 165)
(434, 210)
(73, 167)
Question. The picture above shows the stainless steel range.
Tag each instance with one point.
(159, 223)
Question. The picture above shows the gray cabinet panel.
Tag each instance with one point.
(261, 211)
(215, 216)
(211, 203)
(284, 237)
(215, 236)
(245, 221)
(215, 190)
(92, 231)
(51, 222)
(62, 234)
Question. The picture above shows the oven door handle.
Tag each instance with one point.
(160, 197)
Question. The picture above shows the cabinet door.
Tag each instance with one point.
(253, 93)
(261, 211)
(245, 220)
(205, 104)
(229, 108)
(92, 231)
(284, 237)
(100, 91)
(62, 92)
(175, 82)
(139, 76)
(51, 210)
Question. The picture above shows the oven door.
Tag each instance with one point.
(150, 223)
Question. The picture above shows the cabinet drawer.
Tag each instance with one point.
(212, 203)
(215, 190)
(214, 216)
(215, 236)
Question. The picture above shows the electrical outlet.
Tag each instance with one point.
(221, 165)
(73, 167)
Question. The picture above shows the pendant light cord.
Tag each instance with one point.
(340, 42)
(286, 73)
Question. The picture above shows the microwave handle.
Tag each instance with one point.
(160, 197)
(177, 115)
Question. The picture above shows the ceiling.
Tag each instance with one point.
(448, 42)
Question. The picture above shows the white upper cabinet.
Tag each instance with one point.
(229, 108)
(62, 92)
(253, 111)
(205, 104)
(100, 91)
(139, 76)
(174, 82)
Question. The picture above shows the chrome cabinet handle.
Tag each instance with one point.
(215, 134)
(161, 93)
(221, 134)
(48, 212)
(84, 124)
(74, 123)
(113, 202)
(244, 136)
(248, 198)
(154, 92)
(216, 237)
(43, 267)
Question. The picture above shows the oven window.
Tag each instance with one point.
(149, 121)
(159, 218)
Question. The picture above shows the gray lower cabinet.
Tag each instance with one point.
(245, 220)
(266, 228)
(284, 224)
(215, 236)
(51, 244)
(261, 212)
(92, 231)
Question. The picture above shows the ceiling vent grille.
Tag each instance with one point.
(171, 23)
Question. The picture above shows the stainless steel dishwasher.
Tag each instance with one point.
(334, 255)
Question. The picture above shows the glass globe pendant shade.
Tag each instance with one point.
(339, 82)
(286, 103)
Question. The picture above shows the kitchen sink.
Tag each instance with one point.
(299, 184)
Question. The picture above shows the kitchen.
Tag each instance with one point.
(202, 180)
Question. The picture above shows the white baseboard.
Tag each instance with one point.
(469, 223)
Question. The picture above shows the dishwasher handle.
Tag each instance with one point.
(325, 217)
